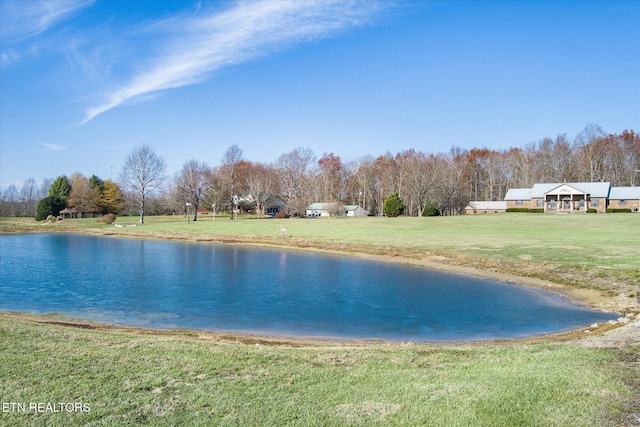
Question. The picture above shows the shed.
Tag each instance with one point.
(356, 210)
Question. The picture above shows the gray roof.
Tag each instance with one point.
(624, 193)
(518, 194)
(596, 189)
(538, 191)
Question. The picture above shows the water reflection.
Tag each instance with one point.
(232, 288)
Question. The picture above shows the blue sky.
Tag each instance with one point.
(83, 82)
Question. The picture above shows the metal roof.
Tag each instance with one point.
(624, 193)
(538, 191)
(595, 189)
(518, 194)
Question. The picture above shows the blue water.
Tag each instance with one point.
(159, 284)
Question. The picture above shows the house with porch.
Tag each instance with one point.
(574, 197)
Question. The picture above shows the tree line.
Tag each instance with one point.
(426, 184)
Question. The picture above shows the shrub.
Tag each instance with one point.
(536, 210)
(107, 219)
(592, 210)
(431, 208)
(393, 205)
(517, 209)
(281, 214)
(618, 210)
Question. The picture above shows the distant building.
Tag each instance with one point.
(480, 207)
(574, 197)
(316, 210)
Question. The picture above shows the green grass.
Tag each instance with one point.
(127, 378)
(132, 378)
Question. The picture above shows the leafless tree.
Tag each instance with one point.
(10, 199)
(229, 169)
(142, 175)
(365, 179)
(192, 184)
(292, 173)
(29, 197)
(262, 183)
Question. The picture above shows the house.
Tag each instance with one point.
(316, 210)
(273, 205)
(573, 197)
(480, 207)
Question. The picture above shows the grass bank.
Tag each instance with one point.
(128, 377)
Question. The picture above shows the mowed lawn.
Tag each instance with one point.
(171, 380)
(605, 240)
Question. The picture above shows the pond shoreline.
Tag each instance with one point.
(584, 297)
(64, 321)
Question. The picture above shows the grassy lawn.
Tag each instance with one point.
(132, 377)
(129, 378)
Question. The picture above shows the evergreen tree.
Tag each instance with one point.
(431, 208)
(49, 206)
(393, 205)
(60, 188)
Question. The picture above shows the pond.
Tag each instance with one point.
(215, 287)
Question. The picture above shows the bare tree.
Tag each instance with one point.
(229, 169)
(29, 197)
(262, 183)
(365, 181)
(192, 183)
(10, 199)
(292, 170)
(142, 175)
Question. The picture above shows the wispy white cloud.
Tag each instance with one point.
(194, 47)
(24, 19)
(47, 147)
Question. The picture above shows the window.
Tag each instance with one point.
(595, 203)
(582, 203)
(518, 202)
(539, 203)
(623, 202)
